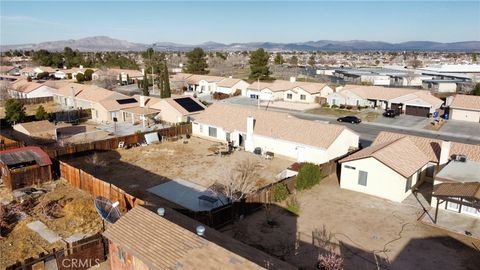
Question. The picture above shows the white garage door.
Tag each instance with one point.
(466, 115)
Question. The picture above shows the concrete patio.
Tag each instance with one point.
(456, 222)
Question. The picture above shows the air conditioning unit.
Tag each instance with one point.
(461, 158)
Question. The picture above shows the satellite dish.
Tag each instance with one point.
(107, 210)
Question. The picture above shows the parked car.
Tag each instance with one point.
(389, 113)
(350, 119)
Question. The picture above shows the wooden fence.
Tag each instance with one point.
(37, 100)
(82, 254)
(112, 143)
(87, 182)
(7, 143)
(265, 194)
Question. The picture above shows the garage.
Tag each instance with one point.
(417, 110)
(465, 115)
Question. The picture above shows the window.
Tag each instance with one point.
(212, 132)
(409, 183)
(453, 206)
(227, 136)
(430, 171)
(362, 178)
(289, 96)
(201, 128)
(349, 167)
(303, 97)
(334, 102)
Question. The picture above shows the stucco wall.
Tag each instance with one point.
(381, 181)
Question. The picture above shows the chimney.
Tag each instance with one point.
(142, 101)
(292, 79)
(444, 152)
(249, 146)
(161, 211)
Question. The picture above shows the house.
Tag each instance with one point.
(179, 81)
(124, 76)
(408, 80)
(408, 101)
(465, 108)
(24, 166)
(10, 70)
(32, 72)
(25, 88)
(174, 110)
(377, 170)
(441, 86)
(203, 83)
(392, 157)
(457, 187)
(260, 130)
(232, 86)
(291, 91)
(142, 239)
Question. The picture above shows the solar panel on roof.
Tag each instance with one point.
(189, 104)
(126, 101)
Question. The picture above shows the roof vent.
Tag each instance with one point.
(461, 158)
(161, 211)
(200, 230)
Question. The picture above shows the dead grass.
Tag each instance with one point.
(365, 115)
(30, 109)
(362, 225)
(77, 216)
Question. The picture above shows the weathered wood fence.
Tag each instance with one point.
(87, 182)
(7, 143)
(113, 143)
(82, 254)
(37, 100)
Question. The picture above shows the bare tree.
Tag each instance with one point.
(96, 162)
(240, 181)
(4, 91)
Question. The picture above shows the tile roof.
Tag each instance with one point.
(5, 69)
(25, 154)
(412, 159)
(271, 124)
(162, 244)
(228, 82)
(179, 77)
(388, 93)
(24, 86)
(466, 102)
(432, 147)
(196, 78)
(115, 71)
(282, 85)
(464, 190)
(90, 93)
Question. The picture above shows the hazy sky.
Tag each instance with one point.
(227, 21)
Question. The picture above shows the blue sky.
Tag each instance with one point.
(248, 21)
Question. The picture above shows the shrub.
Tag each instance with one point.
(14, 111)
(220, 96)
(80, 77)
(293, 206)
(330, 261)
(342, 106)
(41, 114)
(88, 74)
(348, 107)
(308, 176)
(237, 92)
(280, 192)
(325, 105)
(334, 106)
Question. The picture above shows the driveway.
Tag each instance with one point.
(410, 121)
(455, 126)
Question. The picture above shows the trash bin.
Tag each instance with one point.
(445, 116)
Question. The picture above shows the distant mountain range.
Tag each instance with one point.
(103, 43)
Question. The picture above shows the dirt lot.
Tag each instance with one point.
(30, 109)
(140, 168)
(363, 225)
(365, 115)
(78, 215)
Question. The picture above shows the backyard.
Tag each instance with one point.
(30, 109)
(137, 169)
(366, 231)
(66, 211)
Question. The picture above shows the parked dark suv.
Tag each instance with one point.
(389, 113)
(350, 119)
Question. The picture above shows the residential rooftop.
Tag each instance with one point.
(458, 171)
